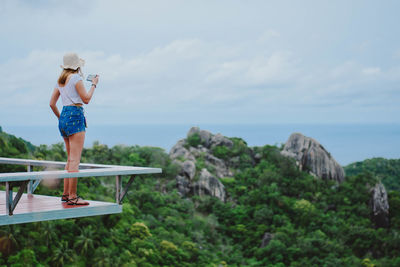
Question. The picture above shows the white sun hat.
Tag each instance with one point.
(72, 61)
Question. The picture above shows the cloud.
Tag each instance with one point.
(186, 75)
(259, 70)
(371, 71)
(268, 36)
(193, 75)
(215, 62)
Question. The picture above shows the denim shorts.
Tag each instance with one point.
(72, 120)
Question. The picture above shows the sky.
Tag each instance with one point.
(214, 62)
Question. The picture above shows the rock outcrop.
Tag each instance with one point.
(179, 151)
(220, 140)
(311, 156)
(189, 169)
(209, 185)
(183, 185)
(198, 149)
(380, 205)
(205, 136)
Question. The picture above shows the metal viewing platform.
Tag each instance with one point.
(20, 207)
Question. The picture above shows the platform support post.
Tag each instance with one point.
(123, 194)
(30, 183)
(118, 188)
(11, 202)
(9, 198)
(120, 192)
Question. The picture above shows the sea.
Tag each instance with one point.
(347, 143)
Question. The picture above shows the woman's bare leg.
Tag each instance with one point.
(76, 142)
(66, 180)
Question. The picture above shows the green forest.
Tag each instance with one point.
(311, 221)
(387, 170)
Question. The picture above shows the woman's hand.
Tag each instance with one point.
(95, 80)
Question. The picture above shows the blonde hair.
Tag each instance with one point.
(64, 75)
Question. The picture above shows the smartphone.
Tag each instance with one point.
(90, 77)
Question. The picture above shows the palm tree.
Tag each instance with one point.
(118, 237)
(49, 232)
(62, 254)
(85, 242)
(102, 257)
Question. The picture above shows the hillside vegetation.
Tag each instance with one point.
(388, 170)
(274, 215)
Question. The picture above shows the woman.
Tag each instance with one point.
(72, 122)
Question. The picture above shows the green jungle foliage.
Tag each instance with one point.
(388, 170)
(314, 222)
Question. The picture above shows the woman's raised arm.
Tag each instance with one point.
(86, 96)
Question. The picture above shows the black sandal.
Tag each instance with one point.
(64, 198)
(74, 201)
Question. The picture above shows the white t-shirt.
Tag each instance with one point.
(68, 92)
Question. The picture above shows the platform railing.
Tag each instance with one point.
(31, 179)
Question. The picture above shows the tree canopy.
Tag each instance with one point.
(312, 222)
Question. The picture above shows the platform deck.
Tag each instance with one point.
(44, 208)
